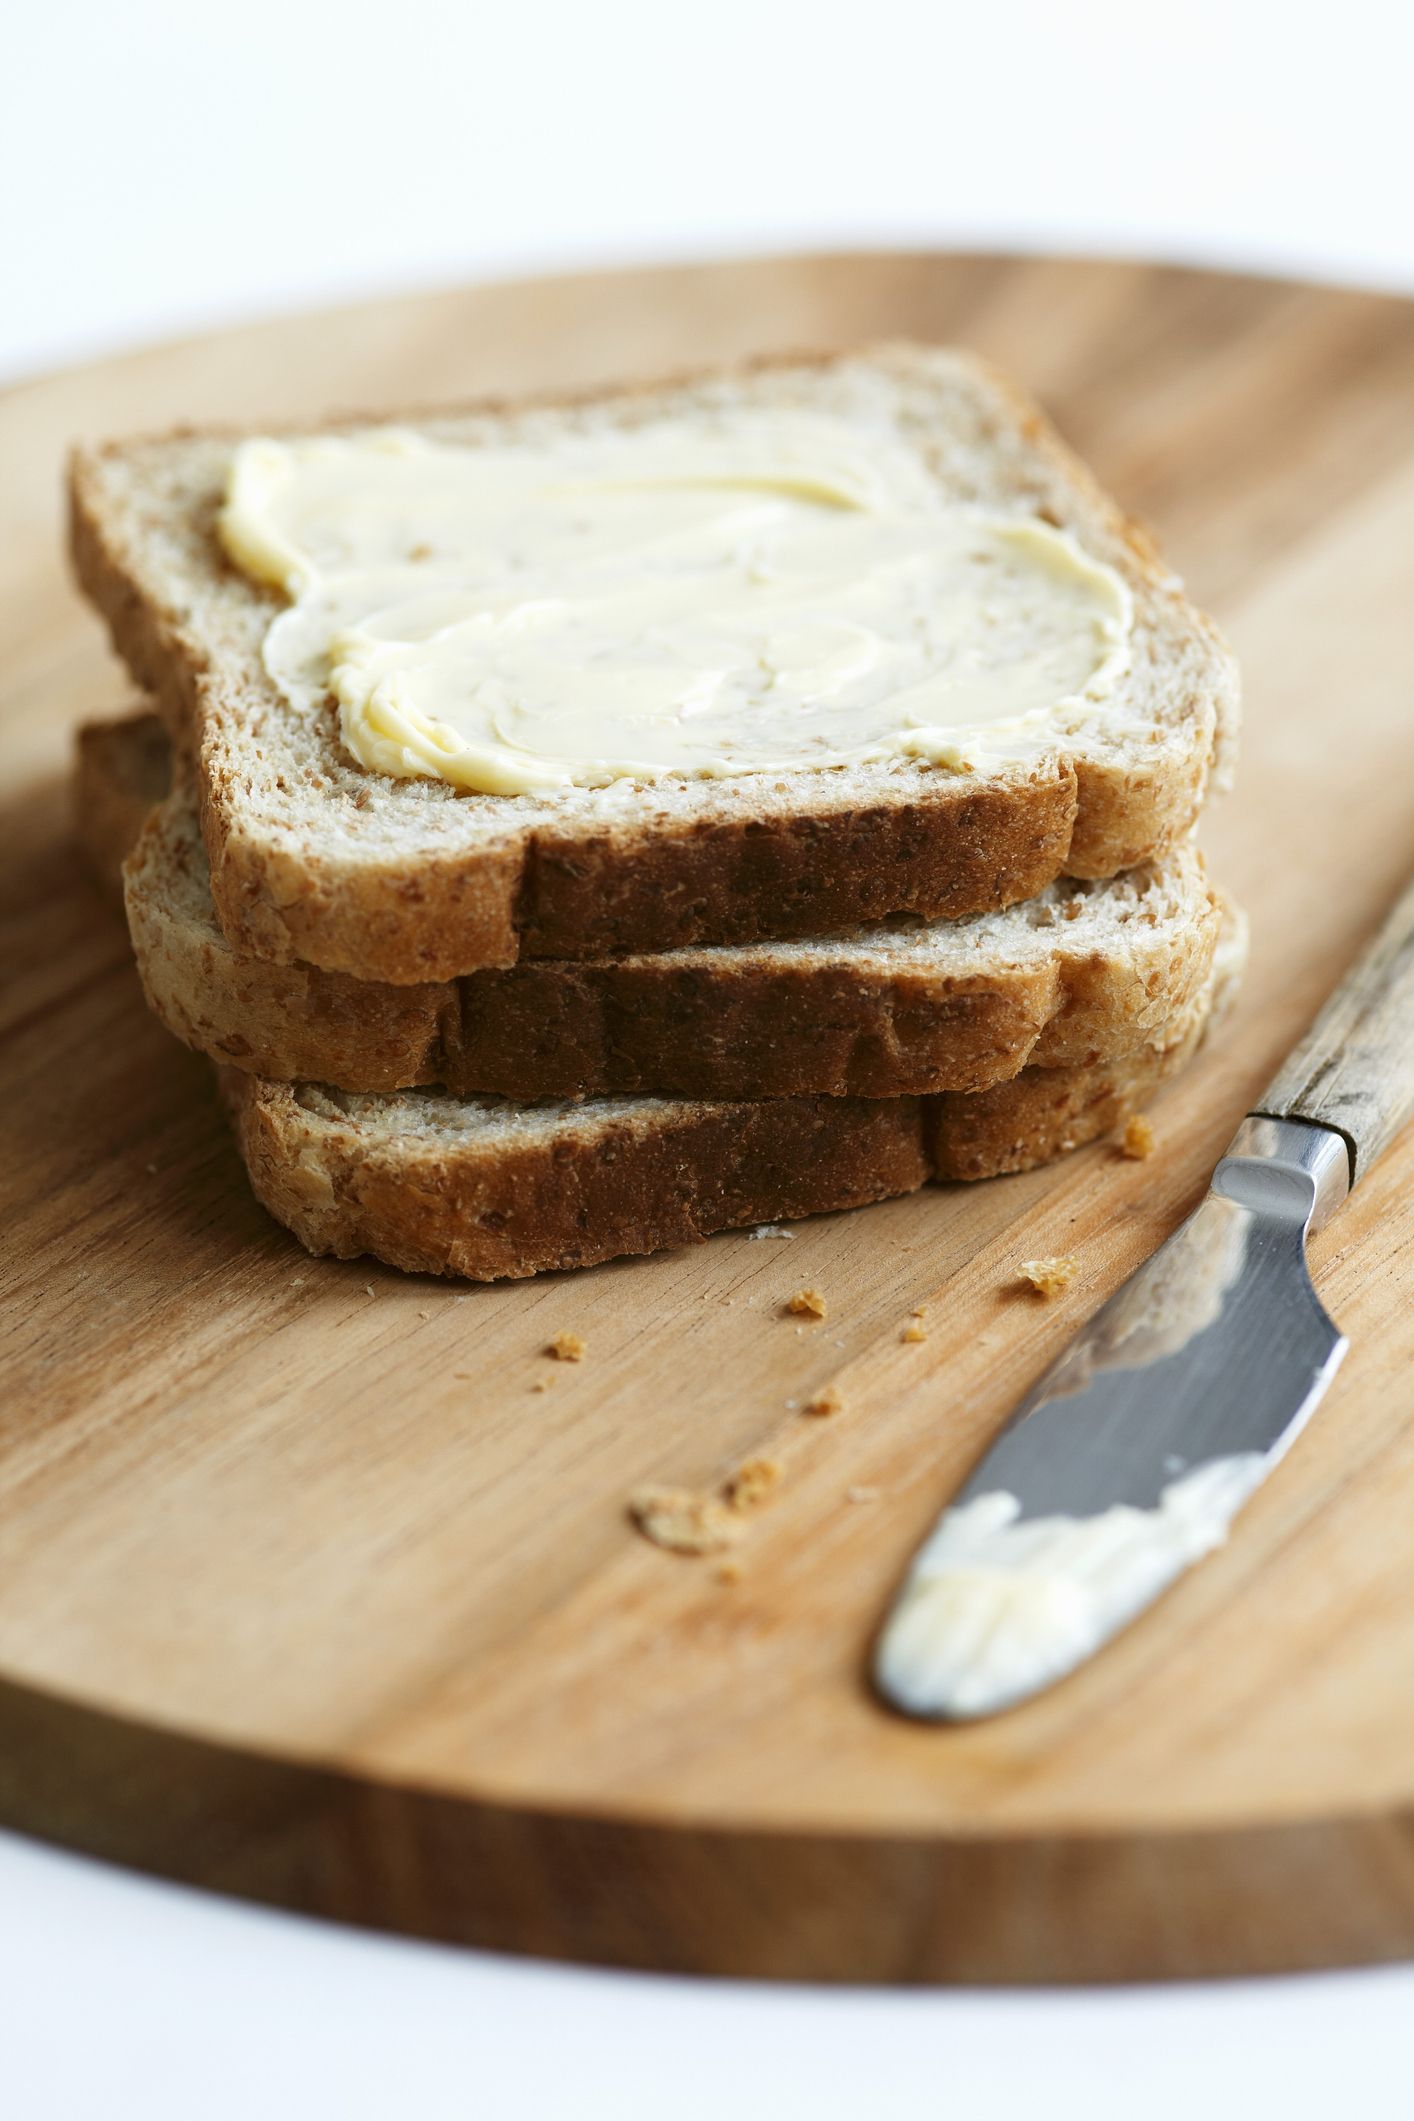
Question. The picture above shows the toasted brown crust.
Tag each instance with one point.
(658, 1175)
(1046, 1112)
(960, 847)
(414, 1184)
(567, 1203)
(800, 1029)
(575, 887)
(726, 1023)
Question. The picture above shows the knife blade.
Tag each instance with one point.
(1129, 1459)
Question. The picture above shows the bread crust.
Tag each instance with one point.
(348, 1182)
(729, 865)
(1047, 1112)
(732, 1022)
(567, 1203)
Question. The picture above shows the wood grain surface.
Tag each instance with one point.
(307, 1593)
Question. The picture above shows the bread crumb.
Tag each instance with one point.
(915, 1330)
(826, 1402)
(729, 1571)
(368, 1288)
(688, 1523)
(752, 1482)
(1049, 1276)
(862, 1494)
(771, 1230)
(424, 1314)
(919, 1311)
(807, 1303)
(542, 1384)
(566, 1347)
(684, 1523)
(1137, 1139)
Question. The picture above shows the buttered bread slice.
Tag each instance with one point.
(751, 656)
(1084, 972)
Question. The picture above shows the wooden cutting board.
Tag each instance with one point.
(307, 1593)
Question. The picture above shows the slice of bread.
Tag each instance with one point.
(1084, 972)
(315, 859)
(485, 1189)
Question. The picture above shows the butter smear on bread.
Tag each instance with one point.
(681, 600)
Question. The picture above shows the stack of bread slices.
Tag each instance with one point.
(487, 1030)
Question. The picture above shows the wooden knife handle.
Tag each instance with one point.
(1354, 1069)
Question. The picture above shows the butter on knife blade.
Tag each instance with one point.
(997, 1606)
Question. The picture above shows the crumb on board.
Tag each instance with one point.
(1049, 1276)
(1137, 1140)
(919, 1311)
(729, 1570)
(542, 1384)
(827, 1401)
(764, 1230)
(368, 1289)
(807, 1303)
(914, 1330)
(752, 1482)
(861, 1492)
(688, 1522)
(424, 1314)
(566, 1347)
(684, 1523)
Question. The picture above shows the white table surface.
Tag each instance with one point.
(164, 167)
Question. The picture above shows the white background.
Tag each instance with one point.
(166, 165)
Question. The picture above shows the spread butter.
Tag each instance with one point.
(684, 599)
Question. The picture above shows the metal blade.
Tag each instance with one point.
(1130, 1457)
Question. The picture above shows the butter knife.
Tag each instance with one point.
(1129, 1459)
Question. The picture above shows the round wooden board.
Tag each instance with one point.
(307, 1593)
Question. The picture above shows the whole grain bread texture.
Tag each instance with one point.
(1083, 972)
(485, 1189)
(314, 859)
